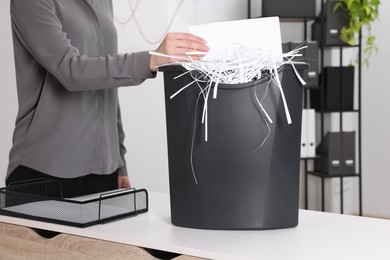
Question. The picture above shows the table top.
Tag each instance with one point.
(319, 235)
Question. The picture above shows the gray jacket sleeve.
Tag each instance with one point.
(36, 25)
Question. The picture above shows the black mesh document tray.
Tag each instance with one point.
(80, 212)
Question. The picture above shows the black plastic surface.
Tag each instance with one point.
(289, 8)
(338, 91)
(238, 188)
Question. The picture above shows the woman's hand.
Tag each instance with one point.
(123, 182)
(178, 44)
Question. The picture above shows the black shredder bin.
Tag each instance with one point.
(232, 181)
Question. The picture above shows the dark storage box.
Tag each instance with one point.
(337, 152)
(238, 187)
(289, 8)
(338, 90)
(333, 22)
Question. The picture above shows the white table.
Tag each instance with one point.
(318, 236)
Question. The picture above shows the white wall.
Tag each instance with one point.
(143, 106)
(376, 123)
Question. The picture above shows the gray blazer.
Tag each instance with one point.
(68, 71)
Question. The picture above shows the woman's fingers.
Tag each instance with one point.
(185, 36)
(177, 41)
(182, 45)
(123, 182)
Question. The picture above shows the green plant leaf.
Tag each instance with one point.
(371, 40)
(367, 9)
(361, 13)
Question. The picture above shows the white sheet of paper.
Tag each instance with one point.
(224, 37)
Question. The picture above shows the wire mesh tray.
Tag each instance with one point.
(80, 212)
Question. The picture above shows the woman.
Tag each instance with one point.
(68, 70)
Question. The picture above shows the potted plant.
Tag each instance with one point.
(361, 13)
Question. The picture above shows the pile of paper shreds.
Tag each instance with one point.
(243, 66)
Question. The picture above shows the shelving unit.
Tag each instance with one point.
(341, 112)
(322, 175)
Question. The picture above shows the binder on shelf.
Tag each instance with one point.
(337, 151)
(338, 89)
(289, 9)
(349, 163)
(304, 149)
(334, 21)
(308, 133)
(311, 133)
